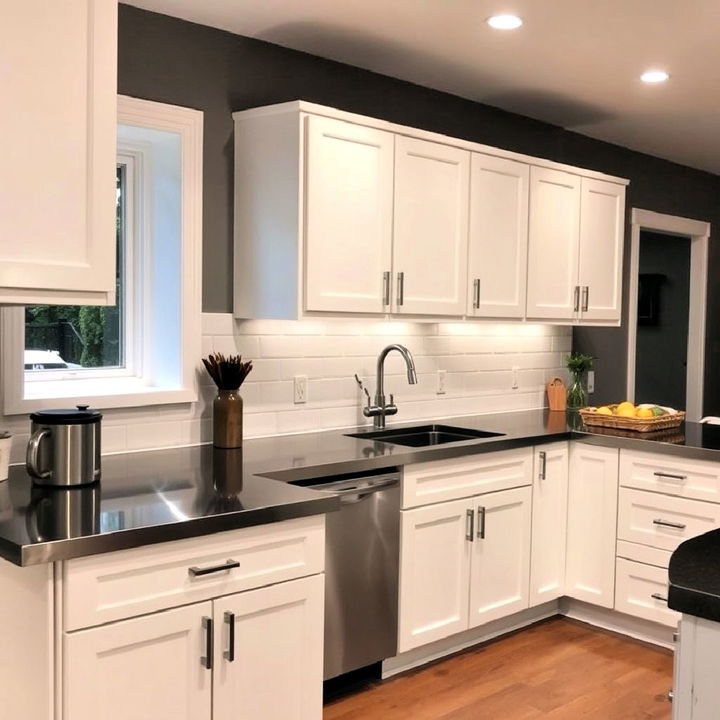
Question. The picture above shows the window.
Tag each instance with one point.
(144, 349)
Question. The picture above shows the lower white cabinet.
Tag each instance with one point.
(462, 564)
(549, 522)
(269, 652)
(592, 522)
(140, 669)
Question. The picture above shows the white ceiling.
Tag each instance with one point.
(574, 63)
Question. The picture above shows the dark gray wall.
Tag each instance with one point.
(166, 59)
(661, 347)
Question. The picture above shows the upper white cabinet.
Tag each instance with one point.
(553, 244)
(57, 142)
(497, 242)
(348, 216)
(602, 229)
(575, 248)
(431, 222)
(341, 213)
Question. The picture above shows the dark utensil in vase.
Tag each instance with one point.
(228, 373)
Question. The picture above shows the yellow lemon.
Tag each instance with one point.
(604, 410)
(625, 411)
(644, 413)
(624, 407)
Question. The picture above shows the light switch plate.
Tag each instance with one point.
(300, 389)
(515, 382)
(441, 380)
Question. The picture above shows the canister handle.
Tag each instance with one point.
(33, 448)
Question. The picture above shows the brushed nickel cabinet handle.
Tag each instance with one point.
(667, 523)
(585, 298)
(386, 287)
(400, 288)
(576, 304)
(658, 596)
(476, 293)
(199, 572)
(470, 525)
(207, 659)
(670, 476)
(543, 465)
(481, 523)
(229, 654)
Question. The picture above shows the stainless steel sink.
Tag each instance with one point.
(424, 435)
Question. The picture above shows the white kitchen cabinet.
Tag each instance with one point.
(500, 563)
(271, 669)
(602, 232)
(348, 216)
(642, 590)
(575, 248)
(57, 142)
(434, 572)
(549, 522)
(553, 234)
(466, 561)
(592, 521)
(430, 227)
(497, 241)
(140, 669)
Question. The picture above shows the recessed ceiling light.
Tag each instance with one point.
(504, 22)
(654, 76)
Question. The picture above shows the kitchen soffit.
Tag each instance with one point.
(574, 63)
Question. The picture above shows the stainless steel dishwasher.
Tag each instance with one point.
(362, 548)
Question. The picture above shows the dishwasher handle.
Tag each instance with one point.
(350, 491)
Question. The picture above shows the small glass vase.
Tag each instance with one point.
(228, 419)
(577, 395)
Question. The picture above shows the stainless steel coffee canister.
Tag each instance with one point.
(64, 447)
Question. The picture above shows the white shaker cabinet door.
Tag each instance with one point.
(57, 143)
(348, 216)
(592, 523)
(141, 669)
(434, 572)
(500, 565)
(602, 233)
(431, 225)
(553, 238)
(497, 244)
(549, 523)
(274, 667)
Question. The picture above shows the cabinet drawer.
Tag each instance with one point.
(441, 480)
(103, 588)
(695, 479)
(641, 590)
(643, 554)
(663, 521)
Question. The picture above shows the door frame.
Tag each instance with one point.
(699, 233)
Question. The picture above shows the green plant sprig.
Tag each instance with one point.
(579, 362)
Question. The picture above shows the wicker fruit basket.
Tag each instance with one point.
(620, 422)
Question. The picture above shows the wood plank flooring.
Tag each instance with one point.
(559, 670)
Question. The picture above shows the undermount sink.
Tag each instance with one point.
(424, 435)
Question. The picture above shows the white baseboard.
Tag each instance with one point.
(612, 620)
(455, 643)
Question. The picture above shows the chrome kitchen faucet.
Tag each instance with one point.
(379, 410)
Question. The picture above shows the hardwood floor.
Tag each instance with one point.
(559, 669)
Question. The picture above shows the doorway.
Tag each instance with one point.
(666, 322)
(663, 313)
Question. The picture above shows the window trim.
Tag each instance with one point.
(124, 390)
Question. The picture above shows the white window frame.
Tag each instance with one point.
(139, 383)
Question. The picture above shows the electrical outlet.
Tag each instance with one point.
(515, 371)
(441, 380)
(591, 381)
(300, 389)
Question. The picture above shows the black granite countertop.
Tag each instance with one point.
(694, 575)
(165, 495)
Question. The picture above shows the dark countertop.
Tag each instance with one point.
(694, 575)
(157, 496)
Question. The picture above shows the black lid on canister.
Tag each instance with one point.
(80, 415)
